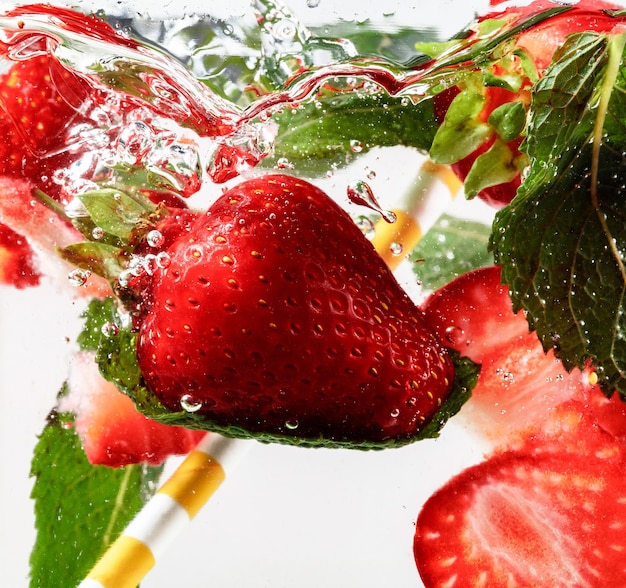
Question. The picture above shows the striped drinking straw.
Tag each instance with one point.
(178, 501)
(173, 507)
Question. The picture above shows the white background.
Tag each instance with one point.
(286, 517)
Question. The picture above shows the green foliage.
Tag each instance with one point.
(452, 247)
(80, 509)
(561, 242)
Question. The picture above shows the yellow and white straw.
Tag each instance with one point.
(173, 507)
(424, 204)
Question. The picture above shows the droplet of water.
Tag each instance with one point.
(312, 3)
(188, 403)
(78, 277)
(155, 238)
(292, 425)
(356, 146)
(396, 249)
(97, 233)
(366, 226)
(361, 193)
(110, 329)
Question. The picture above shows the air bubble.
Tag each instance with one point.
(396, 249)
(356, 146)
(163, 260)
(188, 404)
(284, 163)
(395, 413)
(155, 238)
(110, 329)
(78, 277)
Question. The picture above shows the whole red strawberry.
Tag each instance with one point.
(483, 116)
(276, 316)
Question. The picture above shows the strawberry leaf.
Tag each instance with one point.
(99, 258)
(461, 132)
(561, 242)
(79, 508)
(114, 211)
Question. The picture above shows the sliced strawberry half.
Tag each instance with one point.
(520, 384)
(112, 431)
(551, 514)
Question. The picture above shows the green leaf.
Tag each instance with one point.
(497, 165)
(466, 374)
(561, 242)
(461, 132)
(325, 132)
(115, 211)
(99, 258)
(99, 312)
(80, 509)
(452, 247)
(509, 120)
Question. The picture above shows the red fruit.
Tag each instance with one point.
(33, 134)
(549, 518)
(45, 232)
(277, 316)
(17, 264)
(519, 385)
(474, 314)
(35, 122)
(112, 431)
(539, 42)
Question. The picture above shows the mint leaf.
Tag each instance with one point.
(80, 509)
(561, 242)
(436, 259)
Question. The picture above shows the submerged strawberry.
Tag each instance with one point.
(110, 428)
(519, 385)
(550, 514)
(33, 131)
(482, 117)
(276, 316)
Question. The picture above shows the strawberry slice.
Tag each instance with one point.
(474, 314)
(44, 232)
(519, 384)
(17, 263)
(112, 431)
(549, 520)
(276, 316)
